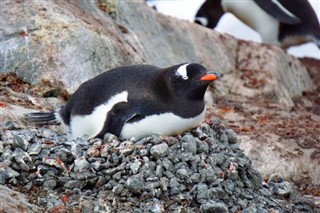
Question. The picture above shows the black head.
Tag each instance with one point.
(209, 13)
(189, 80)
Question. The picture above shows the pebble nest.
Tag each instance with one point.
(202, 170)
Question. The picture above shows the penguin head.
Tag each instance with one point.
(190, 80)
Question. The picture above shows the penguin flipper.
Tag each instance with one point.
(116, 118)
(278, 11)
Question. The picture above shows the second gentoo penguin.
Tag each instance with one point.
(135, 101)
(281, 22)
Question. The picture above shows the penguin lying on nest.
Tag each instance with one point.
(281, 22)
(135, 101)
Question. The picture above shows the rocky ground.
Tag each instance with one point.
(203, 170)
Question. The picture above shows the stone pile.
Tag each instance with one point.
(202, 170)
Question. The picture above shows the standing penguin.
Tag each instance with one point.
(135, 101)
(281, 22)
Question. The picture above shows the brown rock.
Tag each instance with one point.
(15, 202)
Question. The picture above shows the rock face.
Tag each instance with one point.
(70, 42)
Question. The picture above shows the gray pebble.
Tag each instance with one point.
(182, 173)
(213, 206)
(117, 189)
(159, 171)
(224, 138)
(134, 185)
(9, 173)
(159, 150)
(34, 149)
(254, 209)
(164, 182)
(195, 178)
(135, 166)
(189, 144)
(20, 142)
(49, 184)
(80, 164)
(73, 184)
(202, 193)
(1, 148)
(232, 136)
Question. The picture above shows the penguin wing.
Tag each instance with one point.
(116, 118)
(278, 11)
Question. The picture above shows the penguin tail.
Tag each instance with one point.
(42, 118)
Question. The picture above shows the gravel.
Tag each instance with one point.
(202, 170)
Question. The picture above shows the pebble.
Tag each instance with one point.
(1, 148)
(80, 164)
(213, 206)
(49, 184)
(134, 185)
(34, 149)
(135, 166)
(118, 189)
(20, 142)
(159, 150)
(71, 184)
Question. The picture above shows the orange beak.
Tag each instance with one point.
(210, 76)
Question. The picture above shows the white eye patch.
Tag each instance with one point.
(182, 72)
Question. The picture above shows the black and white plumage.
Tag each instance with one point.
(135, 101)
(281, 22)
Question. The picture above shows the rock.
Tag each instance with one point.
(254, 209)
(190, 144)
(9, 173)
(212, 206)
(54, 202)
(265, 69)
(134, 185)
(202, 193)
(73, 184)
(135, 166)
(118, 189)
(80, 164)
(159, 150)
(232, 137)
(283, 153)
(1, 148)
(49, 184)
(20, 142)
(34, 149)
(12, 201)
(182, 173)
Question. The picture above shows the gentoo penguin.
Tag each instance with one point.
(135, 101)
(281, 22)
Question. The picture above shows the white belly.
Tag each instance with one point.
(93, 123)
(252, 15)
(164, 124)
